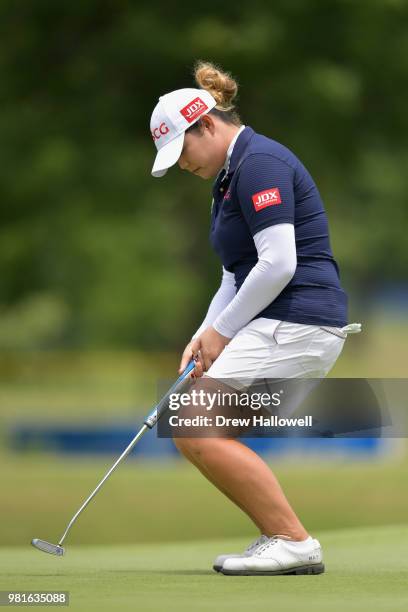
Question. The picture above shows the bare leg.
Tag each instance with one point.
(192, 458)
(246, 479)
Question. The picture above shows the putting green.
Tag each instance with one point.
(367, 568)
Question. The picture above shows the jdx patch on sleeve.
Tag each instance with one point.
(269, 197)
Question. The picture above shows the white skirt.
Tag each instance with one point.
(269, 348)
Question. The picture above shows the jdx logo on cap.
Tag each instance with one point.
(269, 197)
(194, 109)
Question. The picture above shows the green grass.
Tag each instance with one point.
(147, 502)
(74, 386)
(366, 569)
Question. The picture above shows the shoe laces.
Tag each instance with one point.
(256, 543)
(270, 542)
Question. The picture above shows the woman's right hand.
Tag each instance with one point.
(186, 357)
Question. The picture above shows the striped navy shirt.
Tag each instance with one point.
(265, 185)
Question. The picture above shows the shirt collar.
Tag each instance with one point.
(230, 149)
(240, 145)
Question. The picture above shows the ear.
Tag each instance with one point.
(208, 123)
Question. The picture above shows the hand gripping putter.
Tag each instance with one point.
(149, 422)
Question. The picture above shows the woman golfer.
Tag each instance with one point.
(280, 311)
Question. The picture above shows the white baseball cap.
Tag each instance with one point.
(173, 115)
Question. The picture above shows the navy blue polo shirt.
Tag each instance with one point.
(266, 184)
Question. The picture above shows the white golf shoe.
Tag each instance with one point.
(278, 556)
(219, 561)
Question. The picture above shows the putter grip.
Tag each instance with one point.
(160, 408)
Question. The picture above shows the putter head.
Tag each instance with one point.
(52, 549)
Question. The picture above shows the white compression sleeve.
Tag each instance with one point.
(221, 299)
(275, 267)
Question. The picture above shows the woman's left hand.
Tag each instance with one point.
(206, 348)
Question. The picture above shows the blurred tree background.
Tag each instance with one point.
(96, 253)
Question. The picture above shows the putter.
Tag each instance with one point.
(149, 422)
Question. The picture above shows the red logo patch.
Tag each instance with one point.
(194, 109)
(269, 197)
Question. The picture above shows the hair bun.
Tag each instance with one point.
(218, 83)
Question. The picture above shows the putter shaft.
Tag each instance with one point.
(149, 423)
(127, 450)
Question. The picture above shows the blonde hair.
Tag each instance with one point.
(222, 86)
